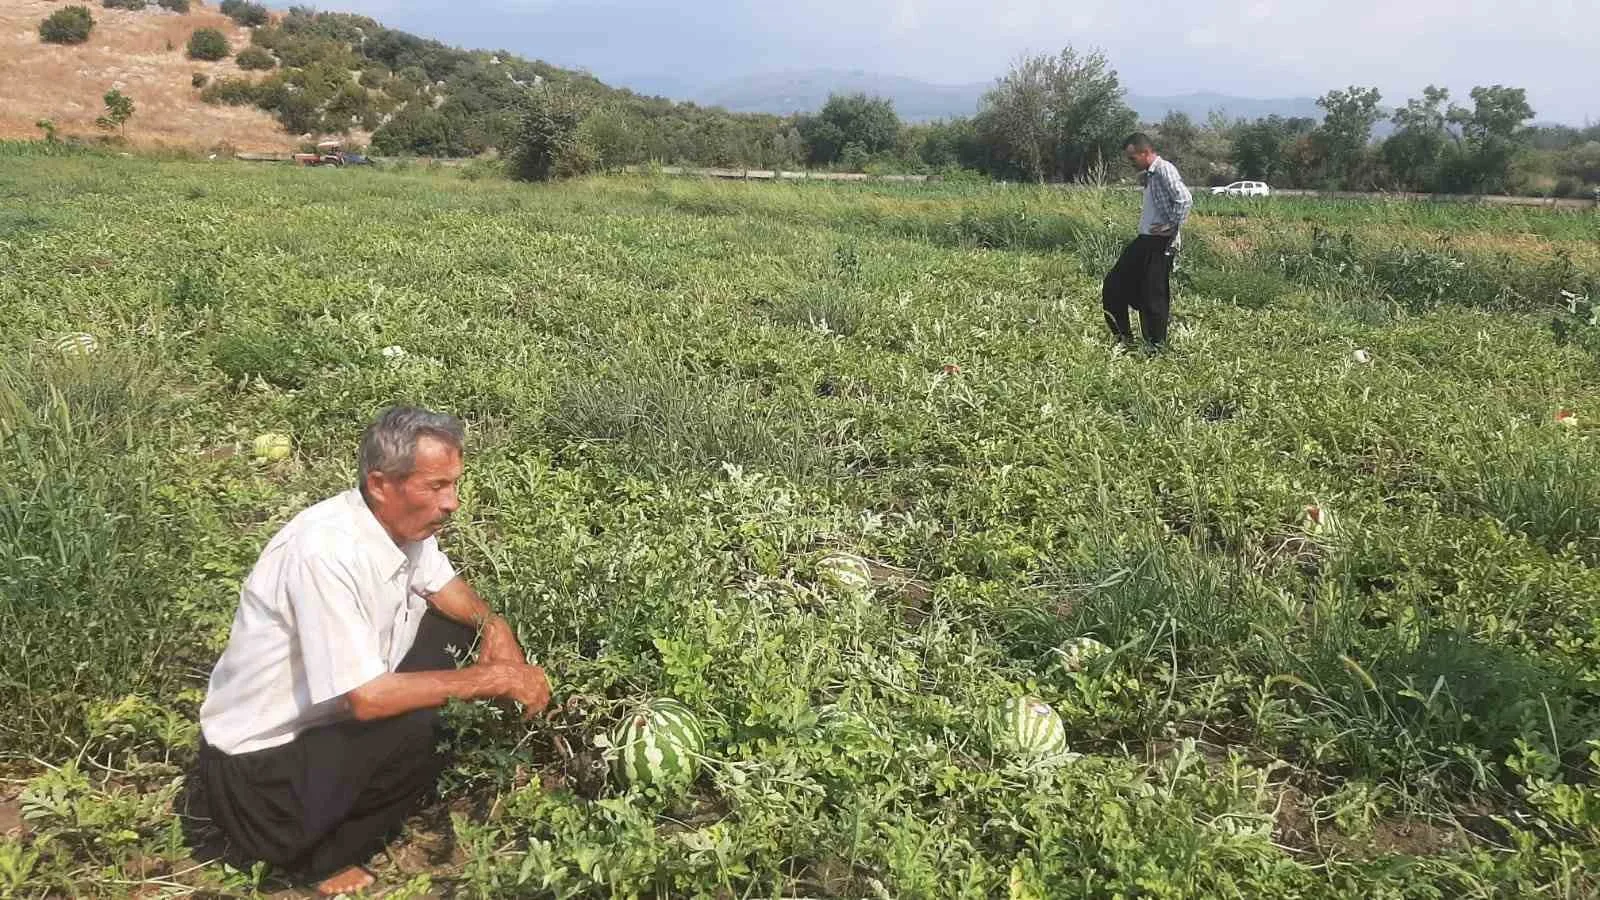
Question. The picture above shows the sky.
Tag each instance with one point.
(1251, 48)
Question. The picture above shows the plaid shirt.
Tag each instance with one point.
(1166, 200)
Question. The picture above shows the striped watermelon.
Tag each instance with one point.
(271, 446)
(1031, 728)
(659, 742)
(845, 573)
(1079, 652)
(77, 344)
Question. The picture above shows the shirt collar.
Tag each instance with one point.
(371, 533)
(1153, 160)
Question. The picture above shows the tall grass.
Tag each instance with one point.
(81, 592)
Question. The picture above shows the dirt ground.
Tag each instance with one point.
(142, 55)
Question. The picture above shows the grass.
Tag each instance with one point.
(681, 393)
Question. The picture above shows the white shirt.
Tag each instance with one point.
(331, 604)
(1167, 200)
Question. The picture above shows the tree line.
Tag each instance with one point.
(1054, 117)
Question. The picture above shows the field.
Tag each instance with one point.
(681, 394)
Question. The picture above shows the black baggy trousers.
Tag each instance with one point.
(330, 798)
(1141, 280)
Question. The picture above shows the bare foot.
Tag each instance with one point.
(351, 881)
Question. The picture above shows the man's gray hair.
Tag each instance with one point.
(389, 444)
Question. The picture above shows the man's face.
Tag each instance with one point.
(1141, 158)
(416, 506)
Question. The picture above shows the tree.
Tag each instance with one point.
(1493, 134)
(1413, 152)
(613, 136)
(846, 119)
(1581, 163)
(69, 25)
(1056, 116)
(1177, 136)
(548, 145)
(208, 44)
(1266, 149)
(1346, 129)
(119, 109)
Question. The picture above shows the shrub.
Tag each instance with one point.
(70, 25)
(208, 44)
(255, 58)
(199, 79)
(548, 144)
(232, 91)
(177, 6)
(130, 5)
(245, 13)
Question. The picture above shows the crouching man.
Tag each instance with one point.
(318, 725)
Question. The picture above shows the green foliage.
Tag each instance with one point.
(208, 44)
(255, 58)
(549, 143)
(1262, 149)
(1413, 153)
(119, 109)
(68, 25)
(198, 79)
(1341, 139)
(130, 5)
(49, 128)
(1056, 118)
(231, 91)
(178, 6)
(245, 13)
(868, 124)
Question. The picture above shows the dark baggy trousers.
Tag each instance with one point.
(330, 798)
(1141, 280)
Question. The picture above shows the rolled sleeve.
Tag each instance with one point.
(339, 645)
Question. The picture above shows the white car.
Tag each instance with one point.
(1244, 189)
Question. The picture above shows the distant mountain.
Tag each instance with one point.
(1200, 105)
(807, 91)
(919, 101)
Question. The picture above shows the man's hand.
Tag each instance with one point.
(500, 643)
(520, 682)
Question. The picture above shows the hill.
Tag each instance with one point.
(139, 53)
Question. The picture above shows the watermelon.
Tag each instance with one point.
(271, 446)
(845, 573)
(1029, 727)
(1078, 652)
(77, 344)
(660, 742)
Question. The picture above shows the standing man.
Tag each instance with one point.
(1141, 279)
(318, 725)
